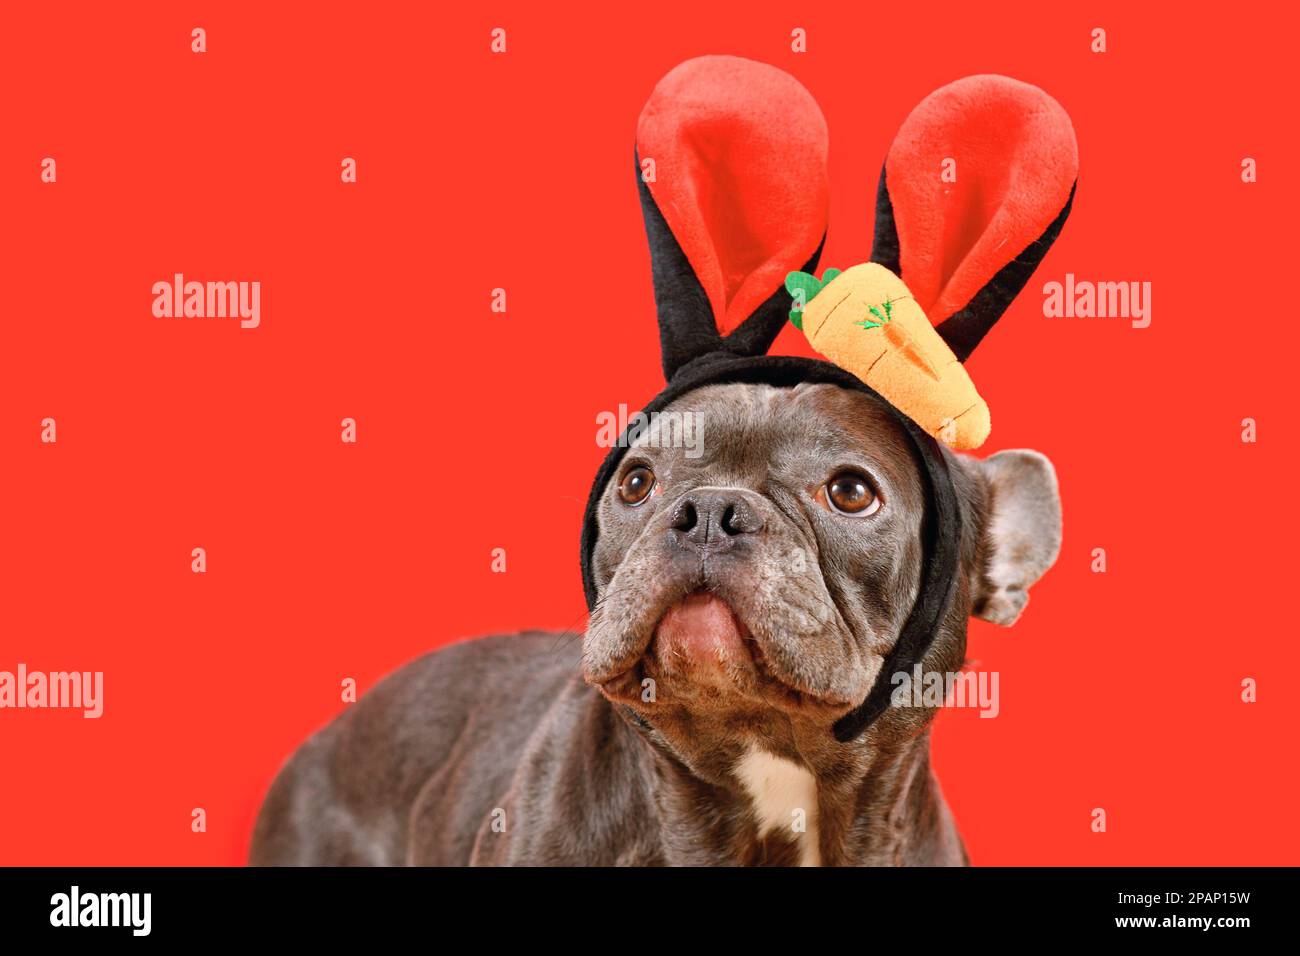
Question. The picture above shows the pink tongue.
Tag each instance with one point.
(702, 626)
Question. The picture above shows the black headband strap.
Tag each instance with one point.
(941, 552)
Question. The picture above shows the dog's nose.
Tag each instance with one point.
(714, 519)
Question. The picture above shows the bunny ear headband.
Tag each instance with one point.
(731, 164)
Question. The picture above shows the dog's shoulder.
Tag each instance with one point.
(455, 718)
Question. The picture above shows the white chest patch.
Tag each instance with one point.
(785, 798)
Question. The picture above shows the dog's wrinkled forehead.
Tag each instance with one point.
(760, 435)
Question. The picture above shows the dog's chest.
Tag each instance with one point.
(784, 798)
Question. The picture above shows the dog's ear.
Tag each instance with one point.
(1022, 532)
(975, 189)
(731, 167)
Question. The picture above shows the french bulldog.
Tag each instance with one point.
(747, 599)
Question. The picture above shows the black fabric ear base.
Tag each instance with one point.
(884, 241)
(686, 325)
(941, 528)
(965, 329)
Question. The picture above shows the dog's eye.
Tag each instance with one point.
(636, 485)
(850, 493)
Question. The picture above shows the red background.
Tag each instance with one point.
(1119, 690)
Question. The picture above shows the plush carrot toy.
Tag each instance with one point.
(867, 322)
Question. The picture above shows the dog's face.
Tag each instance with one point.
(751, 583)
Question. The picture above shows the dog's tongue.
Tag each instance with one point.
(701, 628)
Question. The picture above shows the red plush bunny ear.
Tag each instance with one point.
(975, 188)
(731, 160)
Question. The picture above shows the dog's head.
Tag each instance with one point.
(748, 587)
(750, 584)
